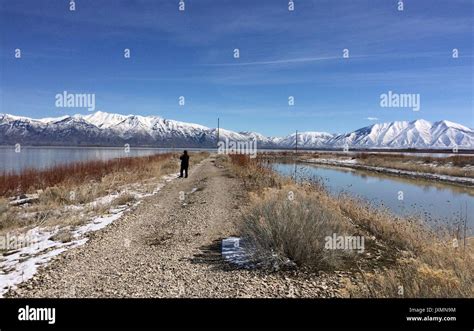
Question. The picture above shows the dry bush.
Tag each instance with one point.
(54, 195)
(425, 264)
(279, 227)
(461, 160)
(362, 156)
(123, 199)
(400, 233)
(196, 157)
(8, 217)
(240, 160)
(169, 166)
(63, 235)
(442, 273)
(221, 160)
(100, 208)
(4, 206)
(255, 173)
(435, 269)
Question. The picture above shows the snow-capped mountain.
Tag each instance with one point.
(306, 139)
(415, 134)
(108, 129)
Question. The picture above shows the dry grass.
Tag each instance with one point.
(7, 216)
(456, 165)
(255, 173)
(451, 166)
(428, 264)
(30, 180)
(86, 183)
(123, 199)
(439, 271)
(401, 233)
(63, 235)
(293, 227)
(422, 263)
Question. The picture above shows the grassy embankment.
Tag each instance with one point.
(456, 165)
(71, 194)
(402, 257)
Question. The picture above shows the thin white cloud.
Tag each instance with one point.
(372, 118)
(328, 58)
(284, 61)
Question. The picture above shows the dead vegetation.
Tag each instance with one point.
(124, 199)
(414, 261)
(282, 226)
(67, 194)
(455, 165)
(63, 235)
(30, 180)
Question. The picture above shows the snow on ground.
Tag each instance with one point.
(328, 161)
(19, 265)
(104, 200)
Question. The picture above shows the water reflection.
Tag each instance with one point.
(45, 157)
(435, 202)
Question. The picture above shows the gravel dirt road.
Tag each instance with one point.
(170, 247)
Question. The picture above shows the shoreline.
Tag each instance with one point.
(266, 149)
(463, 181)
(183, 225)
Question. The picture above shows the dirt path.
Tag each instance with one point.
(168, 247)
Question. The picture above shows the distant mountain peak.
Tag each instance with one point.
(102, 128)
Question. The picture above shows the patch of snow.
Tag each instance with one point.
(398, 134)
(105, 200)
(20, 265)
(24, 262)
(99, 223)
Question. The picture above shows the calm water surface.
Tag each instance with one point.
(437, 203)
(45, 157)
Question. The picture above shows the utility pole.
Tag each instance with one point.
(296, 145)
(218, 132)
(295, 158)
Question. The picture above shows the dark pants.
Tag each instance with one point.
(185, 169)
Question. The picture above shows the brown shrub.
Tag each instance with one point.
(281, 228)
(30, 179)
(426, 263)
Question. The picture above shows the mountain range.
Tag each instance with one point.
(106, 129)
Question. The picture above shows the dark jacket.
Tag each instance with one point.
(184, 160)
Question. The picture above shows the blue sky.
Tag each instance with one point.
(282, 54)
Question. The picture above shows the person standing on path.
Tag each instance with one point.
(184, 164)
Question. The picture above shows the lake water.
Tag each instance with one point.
(45, 157)
(437, 203)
